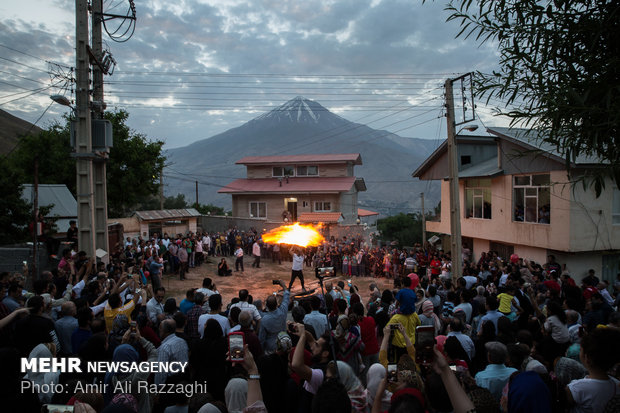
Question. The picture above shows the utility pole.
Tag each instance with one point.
(423, 223)
(161, 189)
(99, 166)
(83, 134)
(455, 207)
(35, 218)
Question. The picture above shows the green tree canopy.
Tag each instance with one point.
(558, 72)
(404, 228)
(132, 171)
(15, 213)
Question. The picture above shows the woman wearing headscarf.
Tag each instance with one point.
(128, 353)
(428, 316)
(39, 378)
(208, 359)
(375, 375)
(351, 383)
(527, 393)
(236, 395)
(120, 326)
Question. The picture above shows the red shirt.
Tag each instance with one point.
(369, 336)
(435, 267)
(553, 285)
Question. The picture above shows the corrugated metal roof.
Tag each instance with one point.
(532, 138)
(65, 204)
(485, 169)
(365, 213)
(166, 214)
(272, 185)
(325, 217)
(356, 158)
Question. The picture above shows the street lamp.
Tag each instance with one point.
(62, 100)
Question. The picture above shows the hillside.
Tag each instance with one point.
(11, 128)
(302, 126)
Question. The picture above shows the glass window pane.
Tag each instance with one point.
(531, 213)
(522, 180)
(252, 208)
(469, 203)
(486, 207)
(313, 170)
(541, 180)
(302, 171)
(327, 206)
(262, 210)
(544, 205)
(277, 171)
(478, 207)
(289, 170)
(519, 207)
(531, 191)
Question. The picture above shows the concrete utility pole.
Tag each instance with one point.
(99, 166)
(83, 134)
(423, 222)
(455, 207)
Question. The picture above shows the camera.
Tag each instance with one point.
(393, 327)
(276, 282)
(323, 272)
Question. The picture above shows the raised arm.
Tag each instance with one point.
(298, 365)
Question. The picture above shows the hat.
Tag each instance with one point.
(284, 342)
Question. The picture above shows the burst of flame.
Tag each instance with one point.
(296, 234)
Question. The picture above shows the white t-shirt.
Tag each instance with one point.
(298, 262)
(592, 395)
(559, 331)
(312, 386)
(239, 253)
(202, 322)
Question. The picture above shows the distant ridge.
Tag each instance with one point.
(11, 129)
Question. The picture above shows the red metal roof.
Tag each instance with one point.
(365, 213)
(325, 217)
(301, 159)
(272, 185)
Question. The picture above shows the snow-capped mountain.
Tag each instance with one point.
(303, 126)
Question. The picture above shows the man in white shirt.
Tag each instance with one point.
(155, 307)
(298, 266)
(215, 303)
(245, 306)
(239, 258)
(256, 254)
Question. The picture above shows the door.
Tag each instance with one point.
(292, 208)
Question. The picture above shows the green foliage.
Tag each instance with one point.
(53, 150)
(210, 209)
(15, 213)
(134, 167)
(404, 228)
(558, 73)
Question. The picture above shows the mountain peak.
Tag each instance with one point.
(296, 110)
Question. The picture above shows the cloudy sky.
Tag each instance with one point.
(195, 68)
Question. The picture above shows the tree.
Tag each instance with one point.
(15, 213)
(558, 73)
(210, 209)
(404, 228)
(134, 166)
(132, 170)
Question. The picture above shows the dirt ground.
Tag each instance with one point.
(258, 281)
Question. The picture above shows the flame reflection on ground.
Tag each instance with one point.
(296, 234)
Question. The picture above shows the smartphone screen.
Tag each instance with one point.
(424, 343)
(235, 347)
(391, 373)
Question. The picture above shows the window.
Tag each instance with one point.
(307, 170)
(465, 159)
(478, 198)
(258, 210)
(322, 206)
(615, 208)
(532, 199)
(287, 170)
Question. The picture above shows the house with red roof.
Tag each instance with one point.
(304, 188)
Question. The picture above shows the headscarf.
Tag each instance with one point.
(209, 408)
(427, 310)
(236, 395)
(352, 384)
(527, 393)
(567, 370)
(41, 351)
(126, 353)
(376, 373)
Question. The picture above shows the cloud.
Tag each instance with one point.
(189, 43)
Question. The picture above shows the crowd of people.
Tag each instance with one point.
(507, 335)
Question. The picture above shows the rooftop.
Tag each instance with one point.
(356, 158)
(162, 214)
(324, 217)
